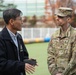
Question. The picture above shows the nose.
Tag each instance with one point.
(21, 22)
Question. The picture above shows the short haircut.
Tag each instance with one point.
(11, 14)
(69, 16)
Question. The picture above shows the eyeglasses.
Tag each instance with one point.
(19, 19)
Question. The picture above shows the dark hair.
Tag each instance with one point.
(69, 16)
(11, 14)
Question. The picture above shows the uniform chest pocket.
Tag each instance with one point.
(62, 47)
(61, 44)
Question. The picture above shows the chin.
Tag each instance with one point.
(19, 29)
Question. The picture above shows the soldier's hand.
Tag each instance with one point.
(29, 68)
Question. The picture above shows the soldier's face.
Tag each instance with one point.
(61, 20)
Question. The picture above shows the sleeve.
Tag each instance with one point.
(51, 59)
(72, 62)
(9, 66)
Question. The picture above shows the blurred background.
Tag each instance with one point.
(37, 13)
(38, 25)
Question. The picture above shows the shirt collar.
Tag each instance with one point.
(12, 34)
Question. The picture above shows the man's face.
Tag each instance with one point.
(61, 20)
(17, 24)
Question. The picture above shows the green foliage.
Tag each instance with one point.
(5, 6)
(10, 5)
(1, 1)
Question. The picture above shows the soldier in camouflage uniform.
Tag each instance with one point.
(62, 46)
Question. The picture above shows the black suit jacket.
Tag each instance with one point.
(9, 63)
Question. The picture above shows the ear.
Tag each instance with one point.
(11, 21)
(68, 19)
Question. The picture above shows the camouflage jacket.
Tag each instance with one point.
(62, 52)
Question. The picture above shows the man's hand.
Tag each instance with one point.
(32, 62)
(59, 74)
(29, 68)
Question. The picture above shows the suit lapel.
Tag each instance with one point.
(20, 47)
(7, 37)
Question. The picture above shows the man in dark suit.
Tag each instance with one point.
(14, 59)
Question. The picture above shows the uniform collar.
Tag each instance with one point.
(66, 34)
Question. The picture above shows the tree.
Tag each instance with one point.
(5, 6)
(2, 8)
(1, 1)
(11, 5)
(65, 3)
(52, 5)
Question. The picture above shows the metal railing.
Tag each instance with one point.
(31, 33)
